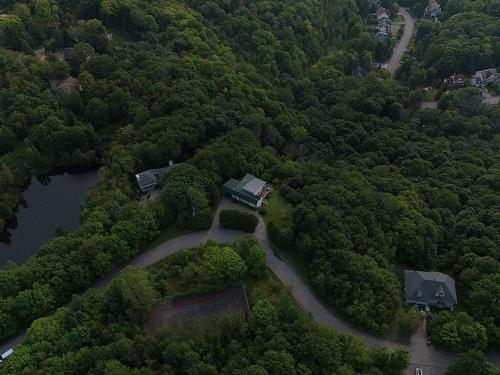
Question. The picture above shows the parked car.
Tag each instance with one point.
(5, 355)
(418, 371)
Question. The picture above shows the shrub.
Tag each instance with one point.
(281, 237)
(234, 219)
(220, 265)
(252, 254)
(408, 322)
(456, 331)
(472, 362)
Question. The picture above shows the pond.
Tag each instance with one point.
(47, 203)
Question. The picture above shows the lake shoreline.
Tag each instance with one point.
(48, 201)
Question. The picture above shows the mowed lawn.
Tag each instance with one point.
(278, 210)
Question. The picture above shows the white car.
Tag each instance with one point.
(418, 371)
(5, 355)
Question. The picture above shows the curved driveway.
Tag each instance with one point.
(400, 49)
(434, 361)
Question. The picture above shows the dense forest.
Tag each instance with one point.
(260, 87)
(466, 40)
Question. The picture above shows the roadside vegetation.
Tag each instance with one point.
(103, 332)
(236, 219)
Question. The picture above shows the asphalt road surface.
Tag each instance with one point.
(430, 359)
(400, 49)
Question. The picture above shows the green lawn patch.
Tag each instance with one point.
(430, 95)
(278, 210)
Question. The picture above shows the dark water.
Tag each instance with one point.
(48, 202)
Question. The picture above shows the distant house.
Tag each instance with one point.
(150, 179)
(433, 10)
(41, 55)
(250, 190)
(483, 77)
(382, 13)
(4, 16)
(427, 289)
(384, 22)
(359, 72)
(456, 81)
(70, 84)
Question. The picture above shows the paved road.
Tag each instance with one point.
(400, 49)
(422, 355)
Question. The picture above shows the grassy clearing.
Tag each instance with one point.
(398, 18)
(278, 210)
(430, 96)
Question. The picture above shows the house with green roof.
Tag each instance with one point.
(250, 190)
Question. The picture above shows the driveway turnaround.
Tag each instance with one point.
(422, 355)
(400, 49)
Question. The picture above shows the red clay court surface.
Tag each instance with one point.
(198, 306)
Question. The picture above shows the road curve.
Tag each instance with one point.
(421, 354)
(400, 49)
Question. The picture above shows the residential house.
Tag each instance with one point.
(250, 190)
(70, 84)
(483, 77)
(456, 81)
(426, 289)
(149, 180)
(433, 10)
(384, 22)
(382, 13)
(41, 55)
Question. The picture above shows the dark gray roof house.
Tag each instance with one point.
(70, 84)
(382, 13)
(430, 289)
(150, 179)
(482, 77)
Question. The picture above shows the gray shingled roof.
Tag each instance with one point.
(151, 177)
(254, 186)
(421, 287)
